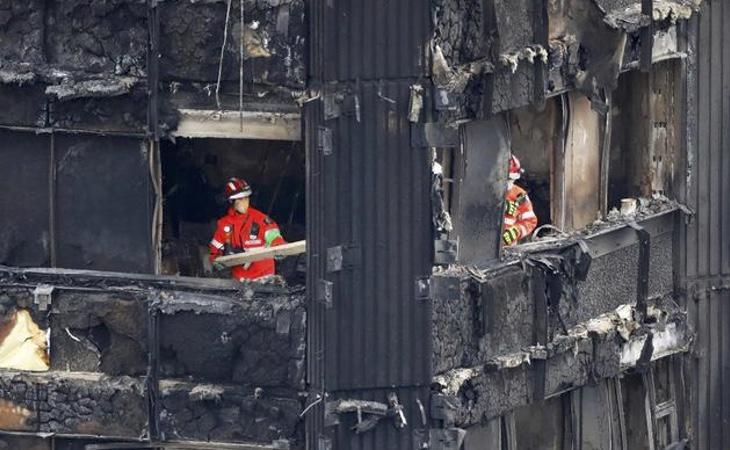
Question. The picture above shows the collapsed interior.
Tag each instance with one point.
(194, 174)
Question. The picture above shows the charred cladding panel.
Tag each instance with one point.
(374, 238)
(103, 217)
(479, 197)
(354, 39)
(24, 218)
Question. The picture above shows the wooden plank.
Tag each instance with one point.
(290, 249)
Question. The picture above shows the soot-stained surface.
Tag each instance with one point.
(74, 403)
(192, 36)
(99, 332)
(228, 414)
(259, 342)
(469, 328)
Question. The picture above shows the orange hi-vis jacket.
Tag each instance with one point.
(524, 218)
(242, 232)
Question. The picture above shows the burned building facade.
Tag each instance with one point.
(380, 132)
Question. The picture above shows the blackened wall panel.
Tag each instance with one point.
(103, 218)
(24, 199)
(353, 39)
(22, 105)
(479, 195)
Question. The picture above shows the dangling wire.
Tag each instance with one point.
(240, 73)
(223, 52)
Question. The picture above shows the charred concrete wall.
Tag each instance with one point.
(224, 362)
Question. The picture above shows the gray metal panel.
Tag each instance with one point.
(355, 39)
(24, 202)
(705, 261)
(708, 253)
(103, 217)
(372, 197)
(710, 372)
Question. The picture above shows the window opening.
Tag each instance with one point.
(195, 172)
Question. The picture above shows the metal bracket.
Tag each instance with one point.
(324, 443)
(43, 296)
(434, 135)
(423, 288)
(324, 140)
(396, 409)
(642, 287)
(332, 108)
(325, 293)
(341, 257)
(583, 260)
(337, 104)
(368, 413)
(445, 251)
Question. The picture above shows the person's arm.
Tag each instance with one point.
(216, 244)
(526, 218)
(272, 234)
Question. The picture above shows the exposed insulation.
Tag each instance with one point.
(23, 345)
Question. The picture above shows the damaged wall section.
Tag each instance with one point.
(225, 360)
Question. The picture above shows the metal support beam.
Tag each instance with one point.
(642, 289)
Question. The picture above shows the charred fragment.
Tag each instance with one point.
(74, 403)
(228, 413)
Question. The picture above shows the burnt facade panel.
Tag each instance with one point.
(24, 219)
(102, 188)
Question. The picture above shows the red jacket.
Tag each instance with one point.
(246, 231)
(524, 218)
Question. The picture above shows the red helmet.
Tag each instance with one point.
(515, 168)
(237, 188)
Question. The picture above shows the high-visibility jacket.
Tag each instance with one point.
(241, 232)
(524, 219)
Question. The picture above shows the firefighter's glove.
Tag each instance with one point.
(218, 266)
(510, 235)
(510, 208)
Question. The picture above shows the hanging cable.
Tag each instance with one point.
(223, 52)
(240, 73)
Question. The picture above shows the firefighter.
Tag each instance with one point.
(519, 218)
(244, 228)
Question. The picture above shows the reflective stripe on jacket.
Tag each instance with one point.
(524, 218)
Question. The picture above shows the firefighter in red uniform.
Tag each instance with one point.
(244, 228)
(519, 218)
